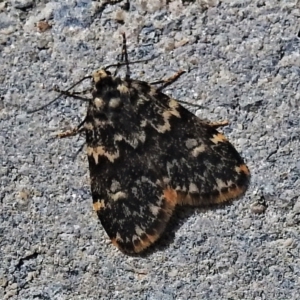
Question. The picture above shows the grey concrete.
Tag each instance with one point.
(244, 66)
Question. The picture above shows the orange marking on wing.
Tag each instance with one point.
(185, 198)
(152, 238)
(98, 205)
(144, 242)
(219, 138)
(230, 194)
(115, 243)
(243, 168)
(170, 196)
(218, 124)
(139, 244)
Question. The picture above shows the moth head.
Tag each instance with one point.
(106, 92)
(100, 75)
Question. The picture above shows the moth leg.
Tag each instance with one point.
(168, 81)
(68, 133)
(191, 104)
(55, 99)
(72, 132)
(218, 124)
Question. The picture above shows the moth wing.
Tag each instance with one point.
(133, 209)
(146, 154)
(196, 160)
(131, 203)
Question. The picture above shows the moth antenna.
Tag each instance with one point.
(61, 93)
(125, 55)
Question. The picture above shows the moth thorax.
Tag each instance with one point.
(110, 103)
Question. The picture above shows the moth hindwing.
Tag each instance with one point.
(147, 154)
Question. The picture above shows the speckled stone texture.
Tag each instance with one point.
(243, 65)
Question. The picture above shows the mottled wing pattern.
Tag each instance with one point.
(146, 155)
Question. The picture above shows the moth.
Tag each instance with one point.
(147, 154)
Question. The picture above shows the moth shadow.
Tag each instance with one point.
(179, 217)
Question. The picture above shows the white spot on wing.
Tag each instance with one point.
(118, 237)
(139, 231)
(122, 88)
(88, 126)
(135, 238)
(144, 123)
(191, 143)
(193, 188)
(119, 195)
(114, 102)
(134, 191)
(154, 209)
(200, 149)
(115, 186)
(181, 189)
(221, 183)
